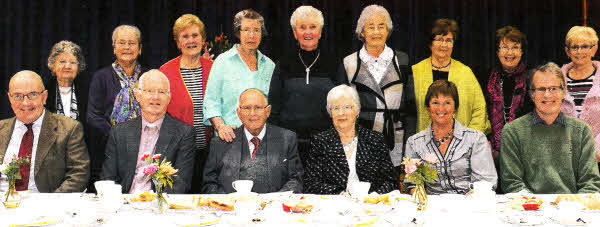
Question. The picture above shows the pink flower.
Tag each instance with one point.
(145, 156)
(431, 158)
(151, 169)
(156, 156)
(411, 166)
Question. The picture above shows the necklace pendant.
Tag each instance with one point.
(307, 72)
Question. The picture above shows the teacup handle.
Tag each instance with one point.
(233, 185)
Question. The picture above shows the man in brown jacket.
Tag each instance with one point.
(59, 161)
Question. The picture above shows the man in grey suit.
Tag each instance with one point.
(154, 133)
(59, 161)
(263, 153)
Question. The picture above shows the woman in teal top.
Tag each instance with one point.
(240, 68)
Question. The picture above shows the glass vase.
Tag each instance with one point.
(419, 196)
(160, 198)
(11, 199)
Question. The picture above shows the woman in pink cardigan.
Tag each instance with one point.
(582, 77)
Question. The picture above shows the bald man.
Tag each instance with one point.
(59, 161)
(154, 133)
(263, 153)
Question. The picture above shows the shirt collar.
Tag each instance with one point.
(386, 55)
(560, 119)
(156, 124)
(260, 136)
(259, 55)
(37, 124)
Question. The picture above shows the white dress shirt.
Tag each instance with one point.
(377, 65)
(13, 149)
(249, 136)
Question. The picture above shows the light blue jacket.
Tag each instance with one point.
(229, 77)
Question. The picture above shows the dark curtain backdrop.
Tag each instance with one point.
(30, 28)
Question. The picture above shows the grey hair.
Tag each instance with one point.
(304, 12)
(66, 46)
(130, 28)
(253, 89)
(248, 14)
(549, 67)
(151, 73)
(342, 91)
(369, 12)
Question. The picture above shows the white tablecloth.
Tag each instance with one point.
(443, 210)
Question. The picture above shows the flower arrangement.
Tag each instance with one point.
(220, 45)
(161, 173)
(419, 173)
(11, 171)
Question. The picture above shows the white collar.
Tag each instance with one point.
(386, 55)
(260, 136)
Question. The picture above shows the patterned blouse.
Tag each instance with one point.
(327, 169)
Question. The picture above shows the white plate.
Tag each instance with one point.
(243, 194)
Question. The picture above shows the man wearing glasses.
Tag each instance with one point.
(54, 144)
(154, 132)
(263, 153)
(546, 152)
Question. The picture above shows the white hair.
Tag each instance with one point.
(151, 73)
(306, 12)
(342, 91)
(130, 28)
(369, 12)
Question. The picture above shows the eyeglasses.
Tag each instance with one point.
(507, 49)
(249, 109)
(442, 41)
(345, 108)
(552, 90)
(251, 31)
(126, 44)
(65, 63)
(373, 28)
(154, 92)
(582, 48)
(31, 96)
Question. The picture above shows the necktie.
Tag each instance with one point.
(256, 143)
(25, 151)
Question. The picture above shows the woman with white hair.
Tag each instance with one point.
(67, 89)
(111, 100)
(347, 153)
(302, 79)
(582, 75)
(240, 68)
(383, 80)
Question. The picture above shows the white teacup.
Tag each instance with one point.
(481, 187)
(112, 197)
(101, 186)
(242, 186)
(360, 189)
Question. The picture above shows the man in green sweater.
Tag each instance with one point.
(545, 151)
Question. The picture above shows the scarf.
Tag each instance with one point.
(496, 101)
(125, 106)
(73, 107)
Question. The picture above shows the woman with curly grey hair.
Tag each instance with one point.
(383, 80)
(67, 90)
(240, 68)
(302, 79)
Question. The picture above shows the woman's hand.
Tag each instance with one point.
(225, 132)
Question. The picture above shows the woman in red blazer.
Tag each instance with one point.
(188, 75)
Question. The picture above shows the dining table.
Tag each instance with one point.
(81, 209)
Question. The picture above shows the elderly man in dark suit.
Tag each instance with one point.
(154, 133)
(263, 153)
(59, 160)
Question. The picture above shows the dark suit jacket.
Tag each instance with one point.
(175, 143)
(61, 160)
(223, 164)
(327, 169)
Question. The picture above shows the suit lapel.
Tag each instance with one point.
(6, 131)
(46, 139)
(233, 156)
(133, 147)
(164, 137)
(272, 140)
